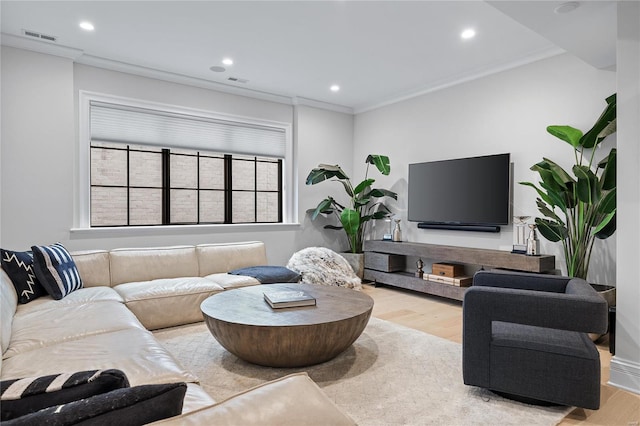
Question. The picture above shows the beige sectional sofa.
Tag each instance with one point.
(126, 293)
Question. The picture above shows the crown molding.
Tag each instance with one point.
(297, 100)
(47, 47)
(463, 78)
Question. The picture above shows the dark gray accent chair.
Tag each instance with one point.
(525, 335)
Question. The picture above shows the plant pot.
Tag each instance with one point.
(356, 260)
(609, 294)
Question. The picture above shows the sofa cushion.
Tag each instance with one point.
(135, 406)
(28, 395)
(48, 327)
(269, 274)
(93, 266)
(19, 267)
(56, 270)
(167, 302)
(195, 398)
(134, 351)
(217, 258)
(145, 264)
(228, 281)
(78, 297)
(293, 400)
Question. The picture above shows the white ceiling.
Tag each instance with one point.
(292, 51)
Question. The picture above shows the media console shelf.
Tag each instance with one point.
(384, 263)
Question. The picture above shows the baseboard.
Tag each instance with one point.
(625, 375)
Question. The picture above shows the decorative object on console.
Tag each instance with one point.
(397, 232)
(56, 270)
(269, 274)
(364, 200)
(19, 267)
(28, 395)
(420, 271)
(533, 243)
(323, 266)
(389, 235)
(520, 234)
(577, 209)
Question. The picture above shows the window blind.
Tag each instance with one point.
(140, 126)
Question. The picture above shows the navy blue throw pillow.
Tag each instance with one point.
(134, 406)
(56, 270)
(19, 267)
(269, 274)
(20, 397)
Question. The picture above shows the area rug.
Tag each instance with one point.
(391, 375)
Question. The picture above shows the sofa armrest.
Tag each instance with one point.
(292, 400)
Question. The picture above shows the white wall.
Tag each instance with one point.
(40, 154)
(505, 112)
(625, 366)
(327, 139)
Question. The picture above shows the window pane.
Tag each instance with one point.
(108, 167)
(211, 173)
(184, 207)
(211, 206)
(243, 206)
(184, 171)
(108, 206)
(145, 206)
(267, 209)
(243, 174)
(266, 176)
(145, 169)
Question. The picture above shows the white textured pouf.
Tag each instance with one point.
(323, 266)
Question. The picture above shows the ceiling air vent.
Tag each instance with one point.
(38, 35)
(238, 80)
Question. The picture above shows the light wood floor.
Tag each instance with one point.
(443, 318)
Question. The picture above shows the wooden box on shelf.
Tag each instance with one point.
(450, 270)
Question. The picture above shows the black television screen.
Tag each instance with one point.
(464, 191)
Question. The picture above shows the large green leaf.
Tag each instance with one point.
(324, 207)
(608, 178)
(559, 174)
(587, 187)
(602, 127)
(362, 185)
(552, 231)
(378, 193)
(608, 202)
(381, 162)
(541, 193)
(350, 220)
(324, 172)
(546, 211)
(607, 227)
(569, 134)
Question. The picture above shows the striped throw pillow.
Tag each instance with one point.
(56, 270)
(19, 397)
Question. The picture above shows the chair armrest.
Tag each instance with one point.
(521, 280)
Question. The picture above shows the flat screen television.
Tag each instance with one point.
(462, 194)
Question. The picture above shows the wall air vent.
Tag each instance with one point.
(38, 35)
(238, 80)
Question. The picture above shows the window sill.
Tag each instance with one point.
(133, 231)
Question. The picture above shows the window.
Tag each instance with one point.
(161, 167)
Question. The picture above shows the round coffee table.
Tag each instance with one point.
(245, 325)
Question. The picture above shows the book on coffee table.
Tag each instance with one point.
(288, 299)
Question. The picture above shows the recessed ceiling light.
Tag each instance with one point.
(567, 7)
(468, 33)
(217, 69)
(227, 61)
(88, 26)
(334, 88)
